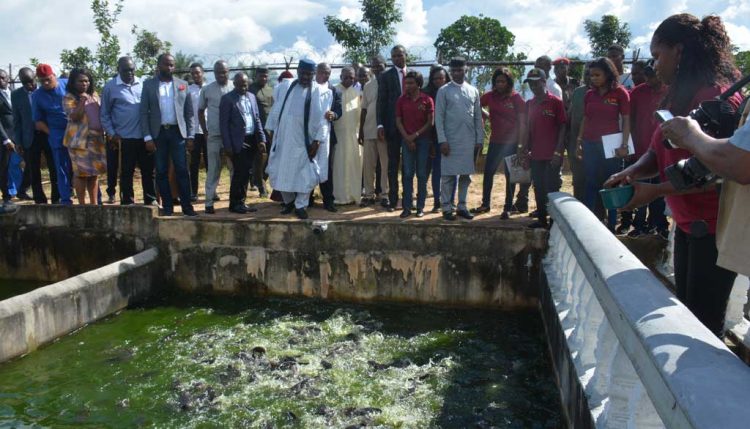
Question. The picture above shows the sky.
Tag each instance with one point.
(267, 30)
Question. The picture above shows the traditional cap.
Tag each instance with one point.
(562, 60)
(535, 74)
(261, 69)
(307, 64)
(44, 70)
(286, 74)
(457, 62)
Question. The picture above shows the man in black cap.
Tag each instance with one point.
(460, 129)
(264, 95)
(298, 160)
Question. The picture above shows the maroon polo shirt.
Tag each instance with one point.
(603, 112)
(546, 117)
(698, 206)
(644, 101)
(504, 112)
(414, 113)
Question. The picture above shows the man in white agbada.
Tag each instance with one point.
(347, 165)
(298, 160)
(458, 120)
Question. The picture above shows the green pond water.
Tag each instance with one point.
(11, 288)
(227, 363)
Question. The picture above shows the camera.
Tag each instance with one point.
(716, 118)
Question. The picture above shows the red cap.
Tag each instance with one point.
(286, 74)
(44, 70)
(562, 60)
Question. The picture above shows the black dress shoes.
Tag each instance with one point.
(465, 214)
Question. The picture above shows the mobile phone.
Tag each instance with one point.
(663, 116)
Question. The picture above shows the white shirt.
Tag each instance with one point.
(166, 103)
(247, 110)
(6, 94)
(195, 92)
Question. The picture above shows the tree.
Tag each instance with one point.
(108, 49)
(742, 59)
(363, 41)
(147, 48)
(79, 57)
(606, 33)
(182, 60)
(477, 38)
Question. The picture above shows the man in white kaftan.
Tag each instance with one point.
(298, 159)
(347, 165)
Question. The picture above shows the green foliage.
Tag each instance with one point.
(147, 48)
(80, 57)
(108, 49)
(34, 61)
(375, 32)
(742, 59)
(477, 38)
(606, 33)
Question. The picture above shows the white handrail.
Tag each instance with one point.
(641, 356)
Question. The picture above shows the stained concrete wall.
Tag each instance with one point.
(53, 243)
(30, 320)
(459, 265)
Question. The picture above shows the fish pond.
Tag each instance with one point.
(198, 362)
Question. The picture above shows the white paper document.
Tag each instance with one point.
(611, 142)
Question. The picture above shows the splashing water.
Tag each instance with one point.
(209, 362)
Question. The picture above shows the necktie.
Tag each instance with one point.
(403, 76)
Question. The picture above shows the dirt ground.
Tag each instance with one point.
(269, 210)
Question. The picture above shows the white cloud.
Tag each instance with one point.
(412, 30)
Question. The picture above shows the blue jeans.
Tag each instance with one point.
(412, 162)
(64, 171)
(496, 154)
(170, 144)
(597, 170)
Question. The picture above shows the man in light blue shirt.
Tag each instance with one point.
(120, 113)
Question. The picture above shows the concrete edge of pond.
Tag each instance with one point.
(33, 319)
(692, 378)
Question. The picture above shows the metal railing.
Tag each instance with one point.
(641, 357)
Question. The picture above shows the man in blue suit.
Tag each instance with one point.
(168, 128)
(242, 136)
(33, 141)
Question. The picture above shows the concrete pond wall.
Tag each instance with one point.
(451, 264)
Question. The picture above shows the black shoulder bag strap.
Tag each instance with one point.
(286, 97)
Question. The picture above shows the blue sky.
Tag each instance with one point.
(265, 31)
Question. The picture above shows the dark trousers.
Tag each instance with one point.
(702, 286)
(171, 145)
(242, 162)
(134, 153)
(546, 179)
(260, 162)
(496, 154)
(33, 156)
(597, 170)
(112, 170)
(326, 188)
(199, 147)
(655, 218)
(577, 171)
(4, 162)
(433, 169)
(394, 157)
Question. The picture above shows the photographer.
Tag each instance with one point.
(694, 58)
(729, 158)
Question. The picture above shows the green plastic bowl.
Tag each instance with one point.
(615, 198)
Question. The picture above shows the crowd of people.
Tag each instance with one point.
(354, 140)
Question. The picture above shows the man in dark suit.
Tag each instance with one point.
(33, 142)
(6, 132)
(390, 88)
(322, 76)
(242, 136)
(169, 131)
